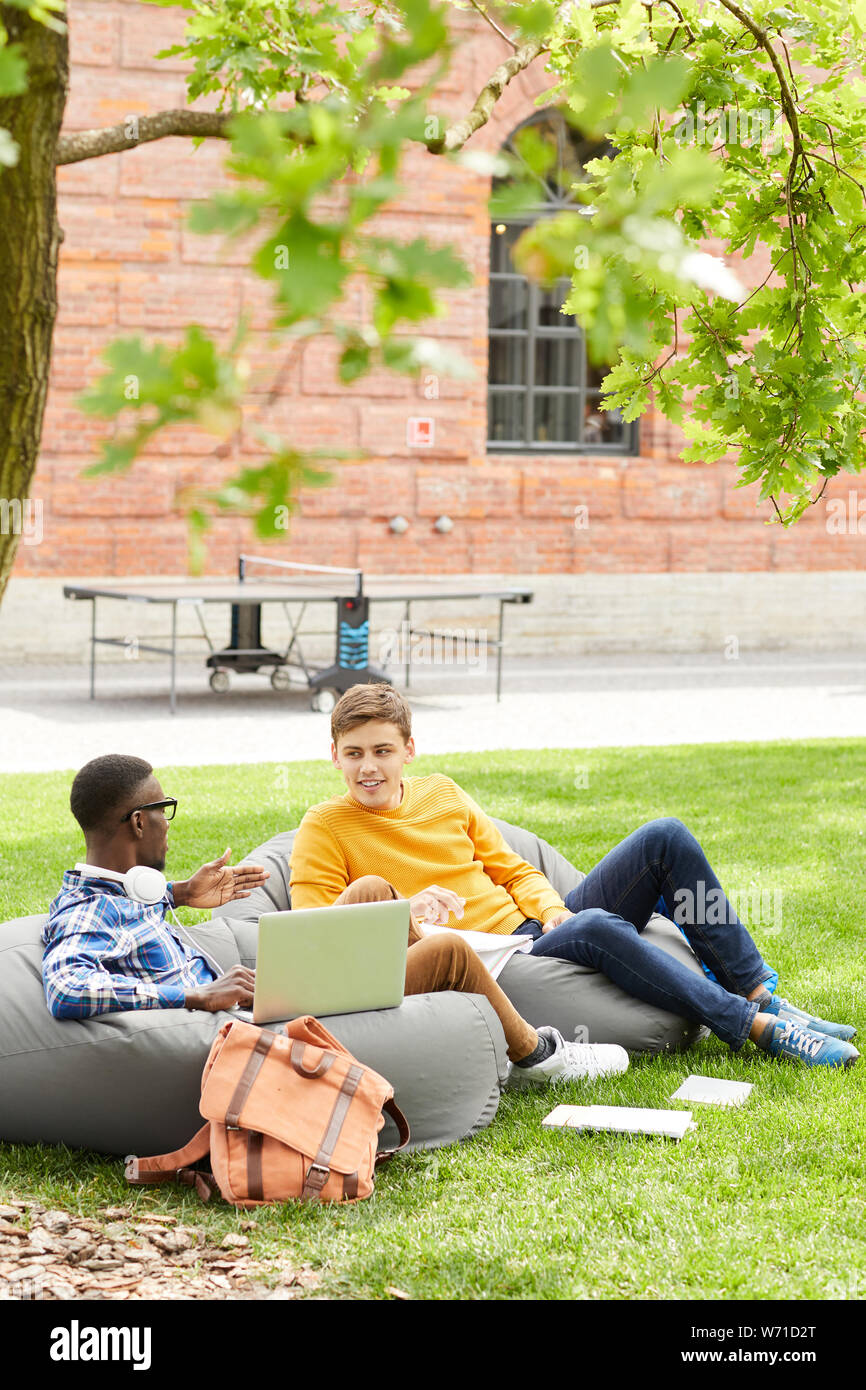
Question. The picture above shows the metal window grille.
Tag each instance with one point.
(543, 394)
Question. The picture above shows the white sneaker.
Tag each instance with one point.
(572, 1061)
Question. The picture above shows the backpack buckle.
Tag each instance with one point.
(317, 1176)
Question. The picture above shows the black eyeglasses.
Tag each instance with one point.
(168, 807)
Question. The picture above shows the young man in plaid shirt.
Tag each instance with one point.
(105, 950)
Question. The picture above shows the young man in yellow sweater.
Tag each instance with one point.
(323, 876)
(425, 838)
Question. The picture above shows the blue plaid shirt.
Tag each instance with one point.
(104, 952)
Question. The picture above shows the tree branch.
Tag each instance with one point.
(138, 130)
(834, 165)
(456, 135)
(488, 19)
(790, 109)
(763, 39)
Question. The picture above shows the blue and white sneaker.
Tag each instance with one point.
(798, 1044)
(788, 1012)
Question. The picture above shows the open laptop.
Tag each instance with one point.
(331, 960)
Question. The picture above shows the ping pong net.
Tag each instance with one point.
(332, 579)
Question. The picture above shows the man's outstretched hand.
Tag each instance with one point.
(217, 883)
(235, 987)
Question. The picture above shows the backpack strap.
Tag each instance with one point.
(319, 1171)
(175, 1167)
(402, 1124)
(264, 1043)
(255, 1172)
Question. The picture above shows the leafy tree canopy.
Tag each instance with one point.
(736, 127)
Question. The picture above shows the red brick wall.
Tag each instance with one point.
(130, 265)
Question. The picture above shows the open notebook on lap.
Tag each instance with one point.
(331, 960)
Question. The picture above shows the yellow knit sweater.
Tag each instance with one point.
(436, 835)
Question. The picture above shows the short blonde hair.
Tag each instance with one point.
(361, 703)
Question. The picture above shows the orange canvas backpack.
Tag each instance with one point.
(290, 1114)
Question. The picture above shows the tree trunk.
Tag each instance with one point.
(29, 240)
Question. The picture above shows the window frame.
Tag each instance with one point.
(535, 333)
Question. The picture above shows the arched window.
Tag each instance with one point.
(543, 394)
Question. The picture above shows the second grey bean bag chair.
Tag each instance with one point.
(129, 1082)
(581, 1003)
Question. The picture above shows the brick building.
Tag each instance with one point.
(130, 265)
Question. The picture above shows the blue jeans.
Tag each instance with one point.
(613, 904)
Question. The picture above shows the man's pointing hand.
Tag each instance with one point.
(219, 882)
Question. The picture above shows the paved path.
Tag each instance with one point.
(47, 721)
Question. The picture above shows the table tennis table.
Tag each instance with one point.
(295, 585)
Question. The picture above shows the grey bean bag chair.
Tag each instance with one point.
(129, 1082)
(581, 1003)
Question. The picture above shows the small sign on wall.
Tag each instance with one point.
(420, 431)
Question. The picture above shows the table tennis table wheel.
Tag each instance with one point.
(281, 678)
(323, 701)
(220, 681)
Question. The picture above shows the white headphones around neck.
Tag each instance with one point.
(142, 884)
(149, 886)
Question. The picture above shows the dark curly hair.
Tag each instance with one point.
(104, 786)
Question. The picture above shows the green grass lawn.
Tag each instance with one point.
(762, 1202)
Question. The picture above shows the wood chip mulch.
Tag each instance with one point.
(128, 1254)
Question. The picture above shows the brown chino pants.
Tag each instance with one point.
(448, 962)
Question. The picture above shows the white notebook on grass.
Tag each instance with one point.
(620, 1119)
(713, 1090)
